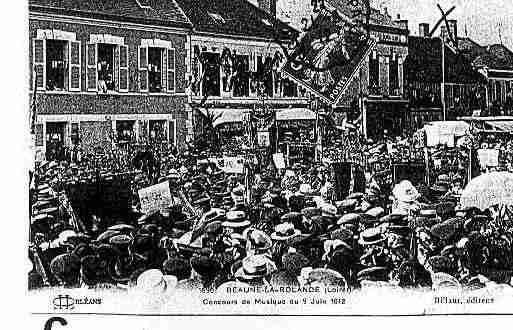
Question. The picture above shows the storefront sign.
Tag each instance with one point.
(279, 161)
(155, 197)
(263, 139)
(326, 58)
(488, 157)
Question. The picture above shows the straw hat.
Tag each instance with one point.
(284, 231)
(236, 219)
(254, 267)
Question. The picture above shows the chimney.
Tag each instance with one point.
(443, 33)
(268, 6)
(424, 30)
(453, 28)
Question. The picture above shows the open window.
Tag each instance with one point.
(394, 75)
(155, 69)
(56, 64)
(125, 130)
(264, 73)
(211, 84)
(289, 87)
(241, 77)
(158, 131)
(106, 53)
(374, 74)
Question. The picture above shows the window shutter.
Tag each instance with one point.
(164, 69)
(123, 68)
(74, 66)
(39, 135)
(92, 68)
(39, 59)
(115, 69)
(143, 69)
(171, 82)
(172, 132)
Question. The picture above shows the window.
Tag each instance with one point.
(156, 69)
(289, 88)
(241, 76)
(106, 67)
(56, 61)
(374, 73)
(56, 65)
(158, 130)
(211, 85)
(125, 131)
(498, 91)
(394, 75)
(74, 134)
(264, 71)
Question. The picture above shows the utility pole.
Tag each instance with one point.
(442, 90)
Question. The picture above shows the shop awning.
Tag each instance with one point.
(505, 126)
(444, 132)
(295, 114)
(224, 116)
(228, 116)
(456, 128)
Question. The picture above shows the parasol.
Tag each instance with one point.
(487, 190)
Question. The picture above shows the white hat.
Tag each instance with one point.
(405, 192)
(154, 280)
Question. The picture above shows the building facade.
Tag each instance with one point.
(441, 82)
(495, 64)
(107, 74)
(235, 57)
(375, 96)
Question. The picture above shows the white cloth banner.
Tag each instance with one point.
(155, 198)
(279, 160)
(229, 164)
(488, 157)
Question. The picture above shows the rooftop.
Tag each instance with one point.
(234, 17)
(160, 12)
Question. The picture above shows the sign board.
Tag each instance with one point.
(155, 198)
(279, 161)
(488, 157)
(326, 57)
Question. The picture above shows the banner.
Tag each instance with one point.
(155, 198)
(328, 55)
(279, 161)
(263, 139)
(229, 164)
(488, 157)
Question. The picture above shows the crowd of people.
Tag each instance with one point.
(293, 231)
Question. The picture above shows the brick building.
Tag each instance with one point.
(107, 72)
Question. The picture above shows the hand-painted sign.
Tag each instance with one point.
(155, 198)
